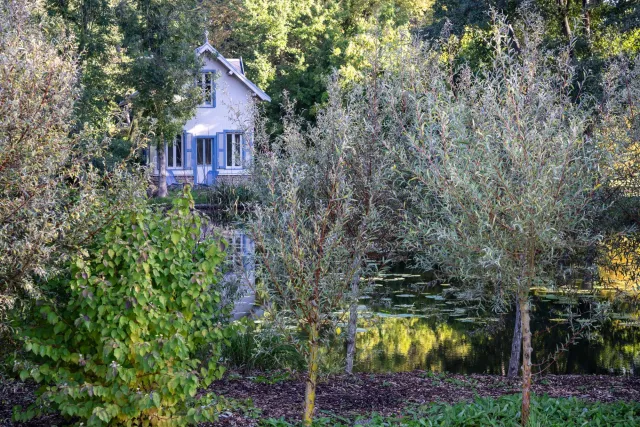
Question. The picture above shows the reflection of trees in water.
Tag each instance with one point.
(405, 343)
(619, 264)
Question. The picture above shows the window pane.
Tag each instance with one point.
(236, 150)
(229, 149)
(179, 150)
(207, 88)
(169, 154)
(208, 151)
(200, 151)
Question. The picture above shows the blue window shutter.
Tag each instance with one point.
(222, 150)
(194, 159)
(246, 152)
(186, 151)
(214, 153)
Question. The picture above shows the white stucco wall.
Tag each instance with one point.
(232, 112)
(232, 96)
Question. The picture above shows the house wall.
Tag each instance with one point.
(233, 102)
(231, 112)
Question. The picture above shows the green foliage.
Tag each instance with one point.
(97, 39)
(293, 45)
(53, 197)
(160, 36)
(141, 301)
(503, 411)
(230, 195)
(261, 349)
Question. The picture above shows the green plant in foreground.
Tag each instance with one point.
(504, 411)
(141, 302)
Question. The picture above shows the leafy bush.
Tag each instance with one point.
(141, 303)
(504, 411)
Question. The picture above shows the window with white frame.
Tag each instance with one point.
(234, 150)
(174, 150)
(203, 151)
(208, 88)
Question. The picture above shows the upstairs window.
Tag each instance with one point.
(174, 152)
(208, 87)
(234, 150)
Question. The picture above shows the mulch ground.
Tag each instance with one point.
(361, 394)
(388, 394)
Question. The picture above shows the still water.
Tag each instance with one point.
(406, 325)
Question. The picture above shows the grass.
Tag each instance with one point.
(261, 350)
(200, 196)
(504, 411)
(222, 194)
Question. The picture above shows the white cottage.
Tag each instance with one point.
(212, 145)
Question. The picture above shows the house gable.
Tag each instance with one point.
(231, 69)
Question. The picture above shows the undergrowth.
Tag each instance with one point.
(504, 411)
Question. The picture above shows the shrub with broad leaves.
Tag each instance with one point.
(141, 304)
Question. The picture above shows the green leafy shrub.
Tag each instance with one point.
(141, 303)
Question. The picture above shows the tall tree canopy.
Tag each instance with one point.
(293, 45)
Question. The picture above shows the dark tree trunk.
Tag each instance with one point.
(162, 172)
(516, 345)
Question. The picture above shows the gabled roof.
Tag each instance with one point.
(230, 67)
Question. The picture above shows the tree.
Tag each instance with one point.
(98, 41)
(160, 36)
(502, 165)
(293, 45)
(140, 303)
(53, 198)
(313, 226)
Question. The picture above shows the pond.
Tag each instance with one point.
(406, 324)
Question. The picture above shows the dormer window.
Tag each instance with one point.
(208, 87)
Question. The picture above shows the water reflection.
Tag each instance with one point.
(239, 279)
(406, 324)
(405, 328)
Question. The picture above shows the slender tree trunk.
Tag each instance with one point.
(162, 171)
(312, 377)
(516, 344)
(586, 19)
(526, 356)
(563, 6)
(353, 322)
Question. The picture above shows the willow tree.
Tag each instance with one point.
(503, 170)
(53, 198)
(311, 232)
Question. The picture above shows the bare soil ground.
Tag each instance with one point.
(361, 394)
(390, 393)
